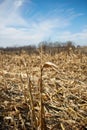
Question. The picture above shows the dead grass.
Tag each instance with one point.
(43, 92)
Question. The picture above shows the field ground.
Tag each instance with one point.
(64, 91)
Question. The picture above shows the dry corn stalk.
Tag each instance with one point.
(42, 113)
(33, 117)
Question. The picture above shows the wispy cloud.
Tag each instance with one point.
(78, 37)
(18, 3)
(14, 29)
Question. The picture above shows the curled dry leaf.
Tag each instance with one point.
(50, 64)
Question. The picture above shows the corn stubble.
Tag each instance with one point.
(43, 92)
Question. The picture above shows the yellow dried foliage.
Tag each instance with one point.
(43, 92)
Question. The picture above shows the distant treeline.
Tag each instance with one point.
(45, 47)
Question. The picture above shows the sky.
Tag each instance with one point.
(28, 22)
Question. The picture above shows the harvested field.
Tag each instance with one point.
(43, 92)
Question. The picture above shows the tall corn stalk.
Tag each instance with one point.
(42, 113)
(33, 117)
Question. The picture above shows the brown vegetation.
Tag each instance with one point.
(43, 91)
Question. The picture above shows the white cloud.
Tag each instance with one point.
(9, 14)
(18, 3)
(80, 38)
(15, 30)
(72, 14)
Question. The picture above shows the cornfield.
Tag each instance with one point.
(43, 92)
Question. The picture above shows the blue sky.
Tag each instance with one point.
(24, 22)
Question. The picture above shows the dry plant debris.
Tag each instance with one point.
(39, 94)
